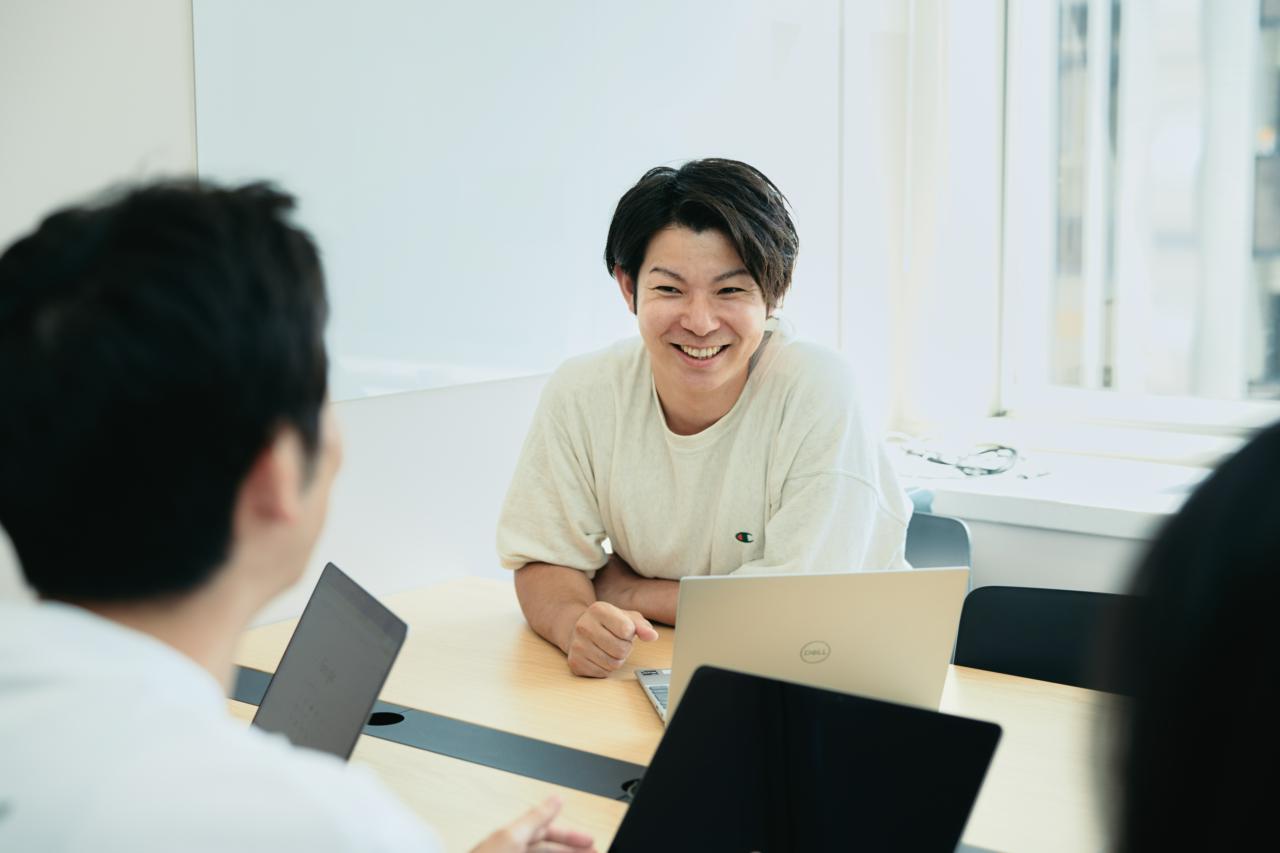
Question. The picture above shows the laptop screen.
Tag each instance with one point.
(750, 763)
(334, 667)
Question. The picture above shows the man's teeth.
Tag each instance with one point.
(703, 352)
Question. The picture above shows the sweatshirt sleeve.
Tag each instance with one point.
(840, 506)
(551, 514)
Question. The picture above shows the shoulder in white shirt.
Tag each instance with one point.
(111, 740)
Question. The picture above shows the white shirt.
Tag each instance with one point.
(789, 480)
(112, 740)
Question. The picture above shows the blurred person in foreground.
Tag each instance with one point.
(1196, 741)
(166, 458)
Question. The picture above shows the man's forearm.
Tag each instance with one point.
(619, 585)
(552, 599)
(656, 599)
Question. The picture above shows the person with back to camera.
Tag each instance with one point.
(1196, 740)
(166, 457)
(716, 443)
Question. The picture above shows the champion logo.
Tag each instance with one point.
(744, 536)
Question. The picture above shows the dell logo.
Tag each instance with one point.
(815, 652)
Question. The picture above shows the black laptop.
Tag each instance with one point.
(755, 764)
(334, 667)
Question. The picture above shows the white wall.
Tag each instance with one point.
(459, 162)
(91, 93)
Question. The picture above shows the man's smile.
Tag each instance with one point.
(701, 353)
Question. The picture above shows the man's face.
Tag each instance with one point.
(701, 316)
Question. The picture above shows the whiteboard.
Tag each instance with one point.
(459, 163)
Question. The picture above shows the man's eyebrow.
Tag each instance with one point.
(732, 274)
(723, 276)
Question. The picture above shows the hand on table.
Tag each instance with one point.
(603, 637)
(532, 832)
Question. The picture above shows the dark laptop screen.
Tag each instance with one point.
(333, 668)
(754, 764)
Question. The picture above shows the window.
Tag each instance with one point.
(1142, 211)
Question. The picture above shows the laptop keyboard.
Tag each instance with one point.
(659, 693)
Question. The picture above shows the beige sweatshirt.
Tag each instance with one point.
(788, 481)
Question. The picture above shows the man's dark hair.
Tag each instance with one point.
(1201, 651)
(151, 346)
(731, 197)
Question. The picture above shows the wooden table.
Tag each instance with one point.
(471, 656)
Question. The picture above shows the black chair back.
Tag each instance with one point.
(1048, 634)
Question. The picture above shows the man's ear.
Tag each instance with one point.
(627, 285)
(272, 490)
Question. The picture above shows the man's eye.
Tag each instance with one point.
(731, 291)
(665, 288)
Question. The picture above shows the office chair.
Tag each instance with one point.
(937, 540)
(1048, 634)
(921, 498)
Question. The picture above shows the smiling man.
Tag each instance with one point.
(717, 443)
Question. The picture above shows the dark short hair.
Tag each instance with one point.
(151, 346)
(1201, 652)
(732, 197)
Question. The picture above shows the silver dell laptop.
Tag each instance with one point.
(883, 634)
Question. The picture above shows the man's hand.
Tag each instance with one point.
(561, 605)
(603, 637)
(532, 832)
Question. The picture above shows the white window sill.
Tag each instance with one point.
(1093, 495)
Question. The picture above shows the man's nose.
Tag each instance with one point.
(700, 316)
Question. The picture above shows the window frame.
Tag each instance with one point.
(1028, 244)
